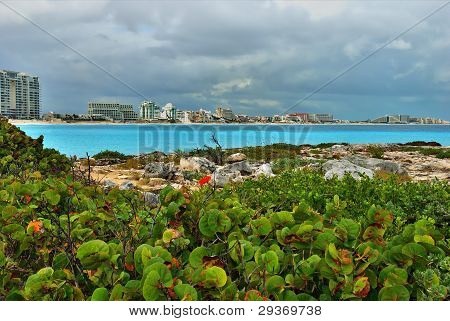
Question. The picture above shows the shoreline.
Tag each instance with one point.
(40, 122)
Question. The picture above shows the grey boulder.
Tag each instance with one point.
(264, 170)
(199, 164)
(222, 177)
(339, 148)
(340, 168)
(237, 157)
(242, 167)
(376, 164)
(126, 186)
(151, 199)
(158, 170)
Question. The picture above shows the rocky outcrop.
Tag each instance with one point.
(158, 170)
(237, 157)
(231, 173)
(264, 170)
(236, 172)
(340, 168)
(376, 164)
(242, 167)
(339, 148)
(151, 199)
(199, 164)
(108, 185)
(222, 177)
(127, 186)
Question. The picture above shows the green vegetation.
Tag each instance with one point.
(287, 164)
(108, 154)
(408, 200)
(376, 151)
(429, 151)
(292, 237)
(21, 155)
(267, 153)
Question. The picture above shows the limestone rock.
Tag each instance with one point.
(199, 164)
(341, 167)
(158, 170)
(242, 167)
(151, 199)
(108, 185)
(264, 170)
(376, 164)
(238, 157)
(126, 186)
(339, 148)
(222, 177)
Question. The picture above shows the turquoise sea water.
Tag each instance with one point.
(72, 139)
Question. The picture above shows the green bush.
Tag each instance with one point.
(108, 154)
(441, 153)
(72, 242)
(22, 156)
(375, 151)
(409, 200)
(287, 164)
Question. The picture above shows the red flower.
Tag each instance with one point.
(204, 180)
(27, 199)
(129, 267)
(36, 225)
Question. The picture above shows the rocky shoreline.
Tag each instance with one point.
(150, 173)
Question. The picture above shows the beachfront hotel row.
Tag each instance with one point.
(20, 99)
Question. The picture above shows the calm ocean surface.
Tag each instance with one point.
(134, 139)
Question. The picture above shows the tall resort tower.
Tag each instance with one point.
(19, 95)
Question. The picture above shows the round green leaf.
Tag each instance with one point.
(204, 227)
(196, 256)
(218, 221)
(150, 290)
(261, 226)
(270, 260)
(392, 275)
(92, 254)
(138, 257)
(215, 277)
(394, 293)
(100, 294)
(9, 211)
(52, 197)
(185, 292)
(274, 284)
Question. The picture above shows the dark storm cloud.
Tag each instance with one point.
(257, 57)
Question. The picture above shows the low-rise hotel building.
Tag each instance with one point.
(115, 111)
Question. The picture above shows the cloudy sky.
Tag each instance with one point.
(259, 57)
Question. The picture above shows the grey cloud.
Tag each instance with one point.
(257, 57)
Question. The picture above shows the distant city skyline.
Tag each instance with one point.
(204, 55)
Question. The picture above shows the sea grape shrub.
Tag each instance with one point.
(409, 201)
(61, 240)
(53, 223)
(21, 155)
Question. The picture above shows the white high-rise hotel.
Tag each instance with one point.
(19, 95)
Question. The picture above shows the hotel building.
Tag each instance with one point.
(114, 111)
(225, 113)
(19, 95)
(149, 111)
